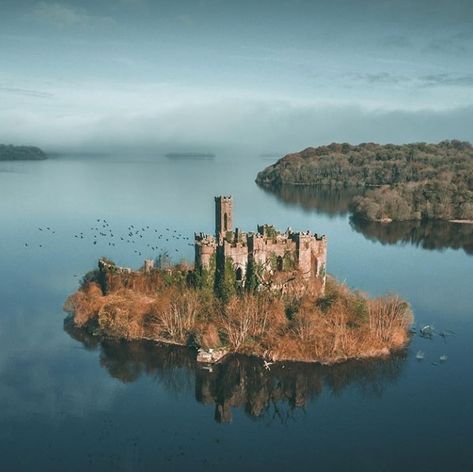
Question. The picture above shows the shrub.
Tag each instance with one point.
(340, 325)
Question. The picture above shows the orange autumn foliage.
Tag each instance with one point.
(342, 324)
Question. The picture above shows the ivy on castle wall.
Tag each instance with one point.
(225, 280)
(254, 273)
(270, 231)
(204, 278)
(288, 262)
(323, 271)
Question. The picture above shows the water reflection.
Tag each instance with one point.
(431, 235)
(331, 202)
(239, 382)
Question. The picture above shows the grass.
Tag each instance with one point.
(302, 326)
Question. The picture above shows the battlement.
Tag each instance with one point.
(108, 266)
(205, 239)
(274, 251)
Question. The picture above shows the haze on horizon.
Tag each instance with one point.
(279, 75)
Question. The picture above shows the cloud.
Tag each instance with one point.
(185, 20)
(64, 16)
(457, 44)
(422, 81)
(125, 124)
(132, 3)
(447, 80)
(25, 92)
(59, 14)
(384, 78)
(397, 41)
(30, 384)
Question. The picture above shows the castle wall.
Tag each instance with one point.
(319, 251)
(238, 253)
(257, 248)
(304, 254)
(262, 248)
(267, 247)
(205, 248)
(113, 278)
(311, 254)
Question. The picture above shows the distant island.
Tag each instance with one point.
(8, 152)
(416, 181)
(190, 155)
(263, 294)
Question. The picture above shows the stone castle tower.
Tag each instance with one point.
(223, 215)
(273, 252)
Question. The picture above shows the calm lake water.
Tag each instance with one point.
(71, 402)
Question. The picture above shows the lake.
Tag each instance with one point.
(73, 402)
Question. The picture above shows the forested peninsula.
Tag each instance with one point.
(8, 152)
(416, 181)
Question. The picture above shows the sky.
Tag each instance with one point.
(271, 75)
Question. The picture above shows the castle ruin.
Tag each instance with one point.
(273, 256)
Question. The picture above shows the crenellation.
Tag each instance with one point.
(275, 252)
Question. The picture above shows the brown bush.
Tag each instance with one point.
(84, 304)
(178, 320)
(123, 315)
(340, 325)
(210, 338)
(389, 319)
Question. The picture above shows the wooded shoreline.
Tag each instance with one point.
(408, 182)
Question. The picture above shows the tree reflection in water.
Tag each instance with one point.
(239, 381)
(432, 235)
(325, 200)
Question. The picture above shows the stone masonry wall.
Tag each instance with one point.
(275, 251)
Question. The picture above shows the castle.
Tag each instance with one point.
(269, 253)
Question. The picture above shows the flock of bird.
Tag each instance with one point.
(428, 332)
(141, 238)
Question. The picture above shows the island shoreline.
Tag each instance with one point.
(410, 182)
(339, 326)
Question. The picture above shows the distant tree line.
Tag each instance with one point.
(406, 182)
(8, 152)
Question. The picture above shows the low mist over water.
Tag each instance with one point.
(141, 75)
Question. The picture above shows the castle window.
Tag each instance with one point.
(279, 264)
(239, 274)
(225, 222)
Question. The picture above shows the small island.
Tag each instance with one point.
(262, 294)
(8, 152)
(417, 181)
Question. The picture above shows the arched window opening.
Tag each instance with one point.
(279, 264)
(239, 274)
(225, 222)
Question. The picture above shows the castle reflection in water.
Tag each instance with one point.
(239, 382)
